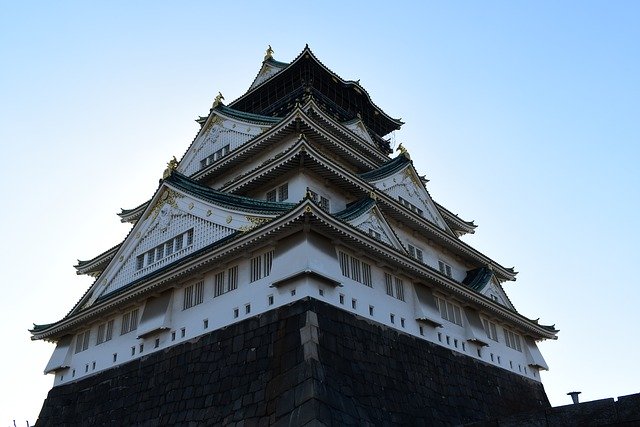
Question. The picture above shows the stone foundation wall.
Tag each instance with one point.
(303, 363)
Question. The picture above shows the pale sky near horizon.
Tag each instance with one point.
(524, 116)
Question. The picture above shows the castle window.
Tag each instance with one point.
(355, 269)
(512, 339)
(373, 233)
(105, 332)
(261, 265)
(129, 322)
(164, 249)
(449, 311)
(415, 252)
(444, 268)
(413, 208)
(82, 341)
(270, 299)
(193, 295)
(225, 281)
(278, 194)
(490, 329)
(215, 156)
(322, 201)
(394, 286)
(370, 310)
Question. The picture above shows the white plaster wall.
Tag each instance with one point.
(219, 310)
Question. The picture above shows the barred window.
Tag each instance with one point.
(225, 281)
(394, 286)
(278, 194)
(512, 339)
(444, 268)
(105, 332)
(355, 269)
(415, 252)
(215, 156)
(322, 201)
(82, 341)
(164, 249)
(261, 266)
(193, 295)
(490, 329)
(410, 206)
(129, 322)
(449, 311)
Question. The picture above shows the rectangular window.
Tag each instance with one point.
(394, 286)
(82, 341)
(490, 329)
(217, 155)
(105, 332)
(444, 268)
(322, 201)
(164, 249)
(413, 208)
(449, 311)
(415, 252)
(129, 322)
(355, 269)
(221, 285)
(278, 194)
(261, 266)
(512, 340)
(193, 295)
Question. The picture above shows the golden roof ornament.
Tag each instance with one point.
(403, 151)
(218, 100)
(171, 166)
(269, 53)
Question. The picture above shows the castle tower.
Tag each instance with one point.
(290, 268)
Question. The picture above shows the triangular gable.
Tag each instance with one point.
(270, 68)
(357, 126)
(366, 216)
(404, 185)
(494, 291)
(182, 218)
(224, 131)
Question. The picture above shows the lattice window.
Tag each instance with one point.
(512, 340)
(449, 311)
(322, 201)
(193, 295)
(444, 268)
(410, 206)
(129, 322)
(415, 252)
(278, 194)
(82, 341)
(105, 332)
(261, 266)
(217, 155)
(225, 281)
(164, 249)
(355, 269)
(394, 286)
(490, 329)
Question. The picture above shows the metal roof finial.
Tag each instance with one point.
(171, 166)
(403, 151)
(269, 53)
(218, 100)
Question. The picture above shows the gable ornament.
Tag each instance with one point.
(171, 166)
(269, 53)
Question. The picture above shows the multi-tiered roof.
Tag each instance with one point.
(295, 173)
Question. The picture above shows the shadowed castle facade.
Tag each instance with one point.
(288, 270)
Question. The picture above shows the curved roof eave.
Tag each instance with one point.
(350, 83)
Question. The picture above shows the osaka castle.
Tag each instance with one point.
(292, 267)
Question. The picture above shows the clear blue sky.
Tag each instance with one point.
(524, 116)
